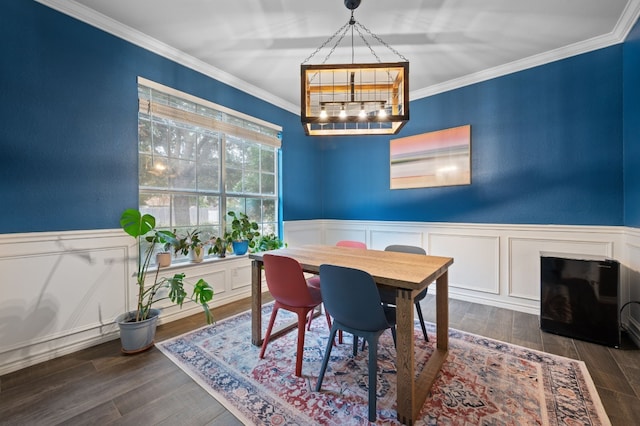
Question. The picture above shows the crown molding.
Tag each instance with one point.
(618, 35)
(113, 27)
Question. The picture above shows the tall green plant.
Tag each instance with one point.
(143, 228)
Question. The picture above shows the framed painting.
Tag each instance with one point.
(440, 158)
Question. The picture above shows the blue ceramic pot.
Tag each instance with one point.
(240, 247)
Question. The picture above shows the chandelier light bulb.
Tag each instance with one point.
(363, 113)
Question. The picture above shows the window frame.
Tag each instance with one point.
(227, 128)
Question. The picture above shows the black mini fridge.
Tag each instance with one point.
(579, 297)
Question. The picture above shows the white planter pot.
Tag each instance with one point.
(196, 255)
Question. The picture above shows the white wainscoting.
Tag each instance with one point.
(494, 264)
(61, 291)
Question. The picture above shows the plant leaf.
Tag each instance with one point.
(202, 292)
(176, 289)
(136, 224)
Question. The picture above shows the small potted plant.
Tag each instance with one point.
(243, 231)
(137, 327)
(268, 242)
(167, 240)
(191, 245)
(220, 245)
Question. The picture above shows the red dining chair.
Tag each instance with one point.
(315, 280)
(349, 243)
(290, 290)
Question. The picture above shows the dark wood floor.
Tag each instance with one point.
(100, 386)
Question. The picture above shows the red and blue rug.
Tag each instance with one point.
(482, 382)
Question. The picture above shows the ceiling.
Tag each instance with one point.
(258, 45)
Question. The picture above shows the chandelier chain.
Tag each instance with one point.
(381, 42)
(327, 42)
(366, 43)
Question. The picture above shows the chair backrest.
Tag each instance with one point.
(286, 281)
(351, 297)
(354, 244)
(405, 249)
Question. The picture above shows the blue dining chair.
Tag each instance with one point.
(388, 296)
(314, 281)
(351, 297)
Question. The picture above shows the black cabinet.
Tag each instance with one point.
(579, 298)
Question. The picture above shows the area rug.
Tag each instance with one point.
(482, 382)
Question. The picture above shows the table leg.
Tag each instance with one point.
(413, 392)
(442, 311)
(405, 363)
(256, 302)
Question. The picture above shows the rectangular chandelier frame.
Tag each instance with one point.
(354, 99)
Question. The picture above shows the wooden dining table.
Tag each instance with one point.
(407, 274)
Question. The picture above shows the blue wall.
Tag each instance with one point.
(547, 143)
(68, 137)
(632, 128)
(546, 149)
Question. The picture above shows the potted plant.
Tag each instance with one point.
(268, 242)
(220, 245)
(243, 231)
(137, 328)
(191, 245)
(163, 257)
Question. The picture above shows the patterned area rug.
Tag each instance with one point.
(483, 381)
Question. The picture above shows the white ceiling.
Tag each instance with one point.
(258, 45)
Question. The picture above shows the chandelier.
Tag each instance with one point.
(354, 99)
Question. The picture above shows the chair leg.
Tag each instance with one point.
(325, 360)
(424, 329)
(310, 319)
(302, 320)
(373, 377)
(329, 324)
(272, 320)
(355, 345)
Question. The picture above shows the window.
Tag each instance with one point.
(199, 160)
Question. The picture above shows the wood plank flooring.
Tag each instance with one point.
(100, 386)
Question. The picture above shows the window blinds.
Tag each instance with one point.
(215, 117)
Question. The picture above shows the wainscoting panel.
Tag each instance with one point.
(631, 287)
(524, 260)
(333, 234)
(494, 264)
(241, 276)
(303, 232)
(476, 260)
(58, 292)
(61, 292)
(381, 238)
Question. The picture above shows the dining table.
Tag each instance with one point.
(407, 274)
